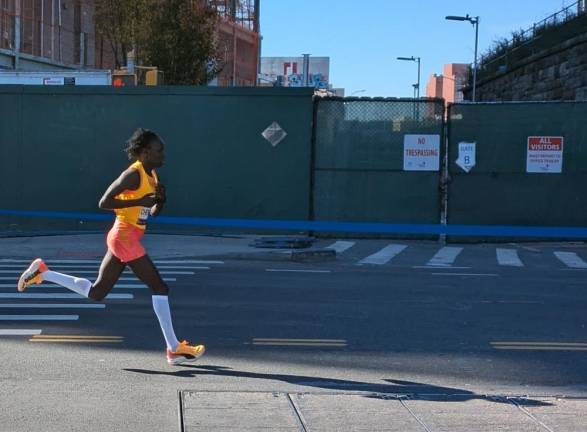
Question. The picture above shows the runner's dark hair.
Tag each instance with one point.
(138, 141)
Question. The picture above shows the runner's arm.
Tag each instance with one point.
(160, 195)
(128, 180)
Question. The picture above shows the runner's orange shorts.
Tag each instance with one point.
(124, 241)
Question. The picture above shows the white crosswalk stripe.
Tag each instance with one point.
(384, 255)
(10, 270)
(95, 272)
(52, 306)
(52, 286)
(39, 317)
(571, 259)
(508, 257)
(51, 296)
(60, 267)
(98, 261)
(20, 332)
(445, 257)
(133, 279)
(341, 246)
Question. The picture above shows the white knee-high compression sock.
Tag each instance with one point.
(161, 308)
(78, 285)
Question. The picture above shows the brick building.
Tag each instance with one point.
(450, 84)
(60, 34)
(46, 34)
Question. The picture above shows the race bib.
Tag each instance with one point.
(144, 215)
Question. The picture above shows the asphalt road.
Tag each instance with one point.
(455, 329)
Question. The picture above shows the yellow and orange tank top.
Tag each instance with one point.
(137, 216)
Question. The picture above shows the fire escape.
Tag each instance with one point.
(238, 40)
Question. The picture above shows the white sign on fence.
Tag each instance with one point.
(421, 152)
(466, 159)
(545, 154)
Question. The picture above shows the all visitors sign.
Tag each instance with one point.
(545, 154)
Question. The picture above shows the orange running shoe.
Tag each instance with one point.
(33, 275)
(185, 353)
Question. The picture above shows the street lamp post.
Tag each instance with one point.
(414, 59)
(474, 21)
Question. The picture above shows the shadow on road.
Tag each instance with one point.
(394, 388)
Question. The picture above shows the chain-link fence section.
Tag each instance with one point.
(360, 160)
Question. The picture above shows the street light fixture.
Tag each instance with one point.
(358, 91)
(474, 21)
(414, 59)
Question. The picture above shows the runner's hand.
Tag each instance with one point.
(160, 193)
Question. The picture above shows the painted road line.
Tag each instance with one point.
(120, 296)
(577, 344)
(76, 339)
(19, 332)
(164, 262)
(510, 302)
(65, 261)
(539, 346)
(508, 257)
(135, 279)
(301, 342)
(62, 336)
(571, 259)
(50, 285)
(304, 344)
(445, 256)
(298, 340)
(99, 261)
(121, 279)
(39, 317)
(341, 246)
(69, 267)
(95, 272)
(466, 274)
(21, 296)
(298, 271)
(441, 267)
(384, 255)
(52, 305)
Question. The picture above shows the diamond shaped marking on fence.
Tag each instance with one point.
(274, 134)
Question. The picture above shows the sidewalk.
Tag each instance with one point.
(92, 246)
(221, 411)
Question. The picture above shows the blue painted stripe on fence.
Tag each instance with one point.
(321, 226)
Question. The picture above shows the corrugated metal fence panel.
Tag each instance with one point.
(217, 162)
(359, 154)
(498, 190)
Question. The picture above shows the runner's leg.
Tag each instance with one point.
(110, 271)
(147, 272)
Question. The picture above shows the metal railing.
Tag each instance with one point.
(524, 37)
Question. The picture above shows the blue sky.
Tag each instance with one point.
(363, 38)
